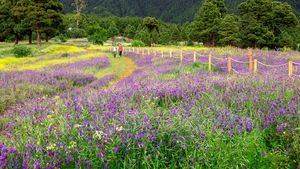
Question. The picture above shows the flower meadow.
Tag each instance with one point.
(166, 114)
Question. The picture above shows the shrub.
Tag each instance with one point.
(64, 55)
(10, 38)
(21, 51)
(60, 38)
(137, 43)
(190, 43)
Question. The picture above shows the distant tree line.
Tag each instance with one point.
(259, 23)
(175, 11)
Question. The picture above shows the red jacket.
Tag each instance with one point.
(120, 48)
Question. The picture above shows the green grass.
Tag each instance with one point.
(120, 66)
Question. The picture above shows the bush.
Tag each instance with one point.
(190, 43)
(64, 55)
(137, 43)
(21, 51)
(10, 38)
(60, 38)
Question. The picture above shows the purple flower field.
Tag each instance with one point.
(166, 114)
(56, 79)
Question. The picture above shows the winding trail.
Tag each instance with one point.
(122, 67)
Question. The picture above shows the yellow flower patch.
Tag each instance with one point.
(57, 49)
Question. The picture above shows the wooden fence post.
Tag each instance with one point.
(171, 54)
(209, 61)
(229, 65)
(250, 55)
(255, 66)
(195, 56)
(148, 51)
(162, 54)
(290, 68)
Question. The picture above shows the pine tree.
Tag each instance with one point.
(43, 16)
(229, 30)
(206, 24)
(9, 23)
(264, 21)
(54, 13)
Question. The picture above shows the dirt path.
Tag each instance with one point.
(121, 67)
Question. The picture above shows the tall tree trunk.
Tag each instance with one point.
(213, 40)
(47, 38)
(39, 38)
(16, 39)
(30, 37)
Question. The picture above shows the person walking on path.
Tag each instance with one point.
(120, 49)
(115, 50)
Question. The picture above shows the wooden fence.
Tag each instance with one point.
(252, 63)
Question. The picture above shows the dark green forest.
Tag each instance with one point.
(177, 11)
(251, 23)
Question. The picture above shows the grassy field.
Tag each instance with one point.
(76, 106)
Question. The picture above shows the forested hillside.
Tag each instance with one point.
(178, 11)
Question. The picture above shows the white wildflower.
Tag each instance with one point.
(98, 135)
(119, 129)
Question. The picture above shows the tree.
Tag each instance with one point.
(9, 23)
(176, 33)
(264, 21)
(130, 31)
(221, 6)
(206, 23)
(79, 6)
(97, 35)
(229, 30)
(113, 30)
(295, 33)
(143, 35)
(54, 9)
(165, 34)
(41, 15)
(151, 24)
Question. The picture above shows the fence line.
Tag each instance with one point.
(237, 61)
(272, 65)
(194, 56)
